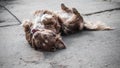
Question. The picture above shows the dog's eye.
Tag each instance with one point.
(53, 49)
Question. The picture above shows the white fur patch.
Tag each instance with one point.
(45, 16)
(65, 15)
(43, 44)
(38, 19)
(46, 41)
(38, 23)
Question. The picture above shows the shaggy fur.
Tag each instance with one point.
(27, 24)
(48, 19)
(44, 32)
(42, 39)
(70, 19)
(47, 40)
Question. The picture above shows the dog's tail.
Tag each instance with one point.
(96, 26)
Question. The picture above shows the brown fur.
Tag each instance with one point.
(49, 23)
(70, 24)
(73, 23)
(27, 28)
(67, 21)
(43, 39)
(47, 40)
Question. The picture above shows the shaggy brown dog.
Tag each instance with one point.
(44, 32)
(42, 39)
(47, 40)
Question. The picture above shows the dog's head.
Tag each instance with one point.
(47, 40)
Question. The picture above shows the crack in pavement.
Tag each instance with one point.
(11, 13)
(1, 21)
(102, 11)
(9, 25)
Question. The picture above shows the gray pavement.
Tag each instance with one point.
(86, 49)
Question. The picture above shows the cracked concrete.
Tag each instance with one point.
(101, 11)
(86, 49)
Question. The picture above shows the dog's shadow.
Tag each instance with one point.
(68, 40)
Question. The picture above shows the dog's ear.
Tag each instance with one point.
(59, 42)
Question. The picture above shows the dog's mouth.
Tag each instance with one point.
(34, 30)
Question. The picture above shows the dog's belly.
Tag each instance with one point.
(65, 16)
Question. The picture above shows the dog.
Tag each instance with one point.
(47, 40)
(42, 39)
(45, 31)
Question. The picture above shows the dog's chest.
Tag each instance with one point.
(37, 23)
(38, 19)
(65, 16)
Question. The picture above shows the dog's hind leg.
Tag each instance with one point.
(75, 11)
(64, 8)
(78, 18)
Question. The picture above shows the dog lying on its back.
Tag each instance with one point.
(42, 39)
(47, 40)
(44, 32)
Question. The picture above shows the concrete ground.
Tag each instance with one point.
(86, 49)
